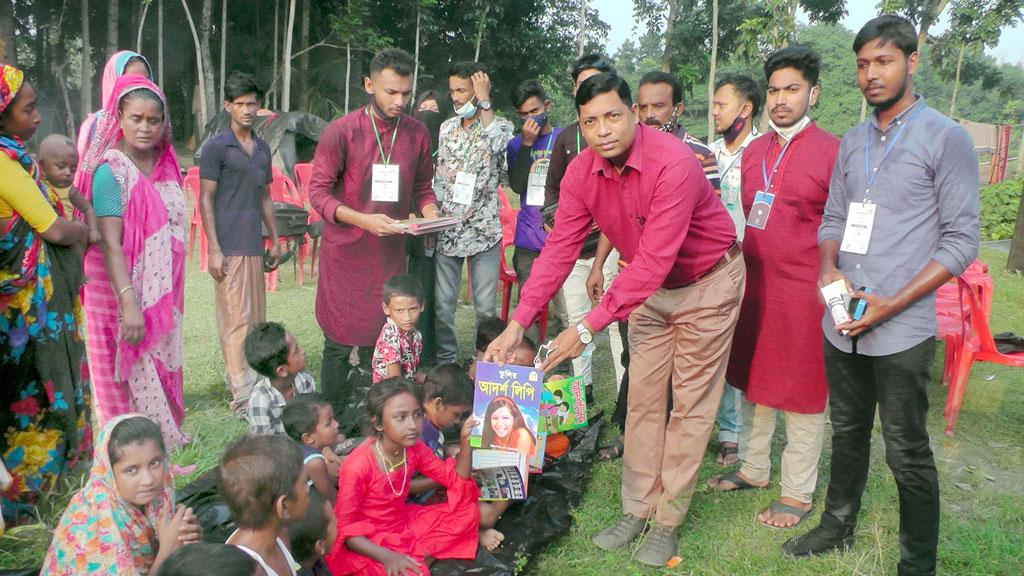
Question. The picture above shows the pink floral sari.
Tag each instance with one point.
(146, 377)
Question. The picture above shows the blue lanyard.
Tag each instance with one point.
(764, 167)
(870, 175)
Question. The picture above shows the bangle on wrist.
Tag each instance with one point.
(125, 289)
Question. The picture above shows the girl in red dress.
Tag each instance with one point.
(379, 532)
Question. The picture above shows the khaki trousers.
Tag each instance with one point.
(683, 336)
(804, 435)
(241, 304)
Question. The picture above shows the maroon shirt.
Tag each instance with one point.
(354, 264)
(661, 213)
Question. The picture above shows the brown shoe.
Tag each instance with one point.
(658, 546)
(620, 534)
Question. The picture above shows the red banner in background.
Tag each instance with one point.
(1000, 156)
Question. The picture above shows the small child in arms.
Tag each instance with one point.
(264, 486)
(309, 420)
(398, 348)
(275, 355)
(123, 520)
(58, 160)
(313, 536)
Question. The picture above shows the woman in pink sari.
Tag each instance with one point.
(135, 293)
(120, 64)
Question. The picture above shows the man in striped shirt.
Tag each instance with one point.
(659, 103)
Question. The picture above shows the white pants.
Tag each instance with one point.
(577, 304)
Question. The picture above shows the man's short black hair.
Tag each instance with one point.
(527, 89)
(403, 285)
(487, 329)
(239, 84)
(659, 77)
(746, 87)
(595, 61)
(266, 348)
(301, 415)
(802, 58)
(466, 69)
(254, 472)
(450, 383)
(600, 84)
(393, 59)
(888, 29)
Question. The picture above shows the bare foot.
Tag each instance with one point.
(728, 454)
(491, 539)
(775, 517)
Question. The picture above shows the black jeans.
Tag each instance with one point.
(898, 385)
(334, 374)
(619, 416)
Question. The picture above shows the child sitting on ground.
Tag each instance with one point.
(264, 486)
(58, 160)
(123, 520)
(313, 536)
(398, 348)
(379, 532)
(275, 355)
(309, 420)
(488, 330)
(199, 560)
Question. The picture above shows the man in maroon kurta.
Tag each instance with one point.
(776, 355)
(355, 189)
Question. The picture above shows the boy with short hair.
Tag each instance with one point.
(281, 362)
(58, 160)
(313, 536)
(264, 486)
(309, 420)
(398, 348)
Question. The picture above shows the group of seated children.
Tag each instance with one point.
(401, 499)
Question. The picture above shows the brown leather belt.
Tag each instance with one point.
(735, 250)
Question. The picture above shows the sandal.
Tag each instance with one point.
(778, 507)
(735, 479)
(726, 451)
(612, 451)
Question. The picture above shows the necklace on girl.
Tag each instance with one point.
(392, 467)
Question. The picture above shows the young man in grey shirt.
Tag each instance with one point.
(901, 219)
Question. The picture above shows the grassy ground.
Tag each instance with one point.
(982, 499)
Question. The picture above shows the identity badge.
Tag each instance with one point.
(760, 210)
(535, 184)
(859, 222)
(384, 183)
(462, 191)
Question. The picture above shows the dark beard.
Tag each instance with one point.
(889, 103)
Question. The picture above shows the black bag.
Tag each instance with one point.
(290, 219)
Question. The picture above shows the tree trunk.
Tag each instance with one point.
(480, 32)
(208, 85)
(199, 69)
(956, 81)
(112, 14)
(286, 78)
(416, 54)
(929, 14)
(160, 42)
(1015, 262)
(714, 65)
(223, 44)
(670, 24)
(85, 98)
(582, 35)
(142, 24)
(273, 85)
(304, 59)
(1020, 155)
(8, 54)
(348, 71)
(56, 42)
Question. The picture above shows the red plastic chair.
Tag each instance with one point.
(950, 311)
(506, 273)
(282, 189)
(303, 176)
(195, 225)
(977, 345)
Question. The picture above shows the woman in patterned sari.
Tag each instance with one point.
(135, 294)
(43, 416)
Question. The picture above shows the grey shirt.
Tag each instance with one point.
(926, 192)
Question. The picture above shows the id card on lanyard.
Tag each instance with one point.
(465, 182)
(384, 178)
(539, 176)
(763, 199)
(860, 219)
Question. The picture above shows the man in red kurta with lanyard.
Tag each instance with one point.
(371, 168)
(776, 353)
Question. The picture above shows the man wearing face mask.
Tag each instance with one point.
(776, 353)
(471, 164)
(371, 168)
(528, 160)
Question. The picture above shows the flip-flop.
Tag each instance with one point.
(612, 451)
(724, 451)
(735, 479)
(778, 507)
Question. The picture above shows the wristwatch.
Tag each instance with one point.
(586, 337)
(484, 104)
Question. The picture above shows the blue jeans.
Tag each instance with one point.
(728, 418)
(483, 275)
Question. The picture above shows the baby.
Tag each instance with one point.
(58, 160)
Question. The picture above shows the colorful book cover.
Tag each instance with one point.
(537, 460)
(506, 405)
(501, 474)
(564, 404)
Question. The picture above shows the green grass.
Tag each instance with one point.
(982, 523)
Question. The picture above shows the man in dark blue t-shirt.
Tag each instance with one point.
(235, 172)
